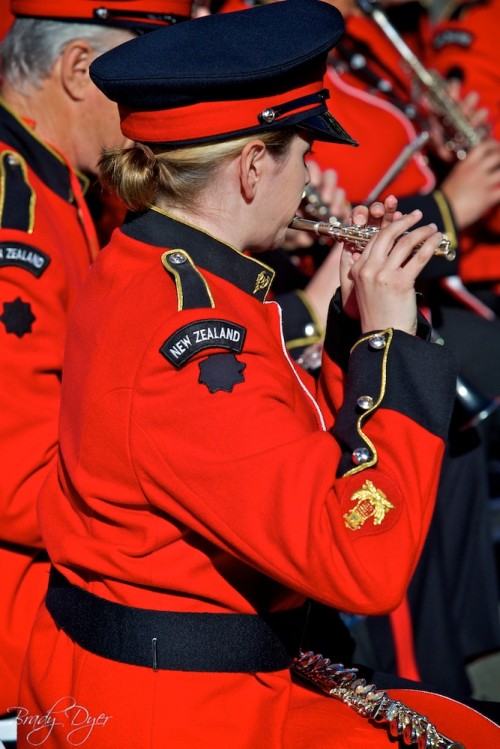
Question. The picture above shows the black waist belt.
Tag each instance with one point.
(246, 643)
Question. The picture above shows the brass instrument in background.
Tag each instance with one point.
(462, 134)
(356, 235)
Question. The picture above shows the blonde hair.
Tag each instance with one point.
(142, 175)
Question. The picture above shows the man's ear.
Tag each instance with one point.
(252, 163)
(74, 68)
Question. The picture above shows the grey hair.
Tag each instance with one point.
(33, 45)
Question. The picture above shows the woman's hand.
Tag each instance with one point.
(378, 284)
(478, 118)
(472, 186)
(378, 214)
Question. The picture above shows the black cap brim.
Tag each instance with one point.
(325, 127)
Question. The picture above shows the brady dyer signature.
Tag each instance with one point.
(74, 720)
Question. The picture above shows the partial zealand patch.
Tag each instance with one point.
(448, 37)
(20, 255)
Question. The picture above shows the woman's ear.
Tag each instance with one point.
(253, 160)
(74, 68)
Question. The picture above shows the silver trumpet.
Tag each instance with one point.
(356, 235)
(462, 134)
(374, 704)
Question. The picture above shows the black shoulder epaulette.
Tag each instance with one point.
(192, 289)
(17, 198)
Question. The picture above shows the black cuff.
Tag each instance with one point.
(300, 326)
(435, 209)
(393, 370)
(342, 332)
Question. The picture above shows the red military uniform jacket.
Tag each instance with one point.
(44, 256)
(466, 45)
(202, 472)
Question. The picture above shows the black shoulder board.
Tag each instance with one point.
(20, 255)
(192, 289)
(17, 199)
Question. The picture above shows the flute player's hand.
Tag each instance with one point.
(378, 284)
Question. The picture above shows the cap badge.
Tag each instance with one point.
(268, 115)
(371, 503)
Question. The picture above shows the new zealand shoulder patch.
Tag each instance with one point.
(197, 336)
(457, 37)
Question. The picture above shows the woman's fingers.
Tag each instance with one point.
(383, 241)
(379, 213)
(416, 246)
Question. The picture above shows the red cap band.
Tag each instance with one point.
(96, 11)
(211, 119)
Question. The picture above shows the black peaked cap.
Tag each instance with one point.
(223, 56)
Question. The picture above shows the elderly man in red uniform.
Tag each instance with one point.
(53, 124)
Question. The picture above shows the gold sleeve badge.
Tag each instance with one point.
(370, 503)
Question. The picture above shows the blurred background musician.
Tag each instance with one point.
(466, 192)
(461, 43)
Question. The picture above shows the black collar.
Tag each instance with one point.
(44, 161)
(160, 230)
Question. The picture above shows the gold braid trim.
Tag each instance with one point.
(388, 335)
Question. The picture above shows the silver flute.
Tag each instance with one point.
(462, 134)
(344, 683)
(357, 235)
